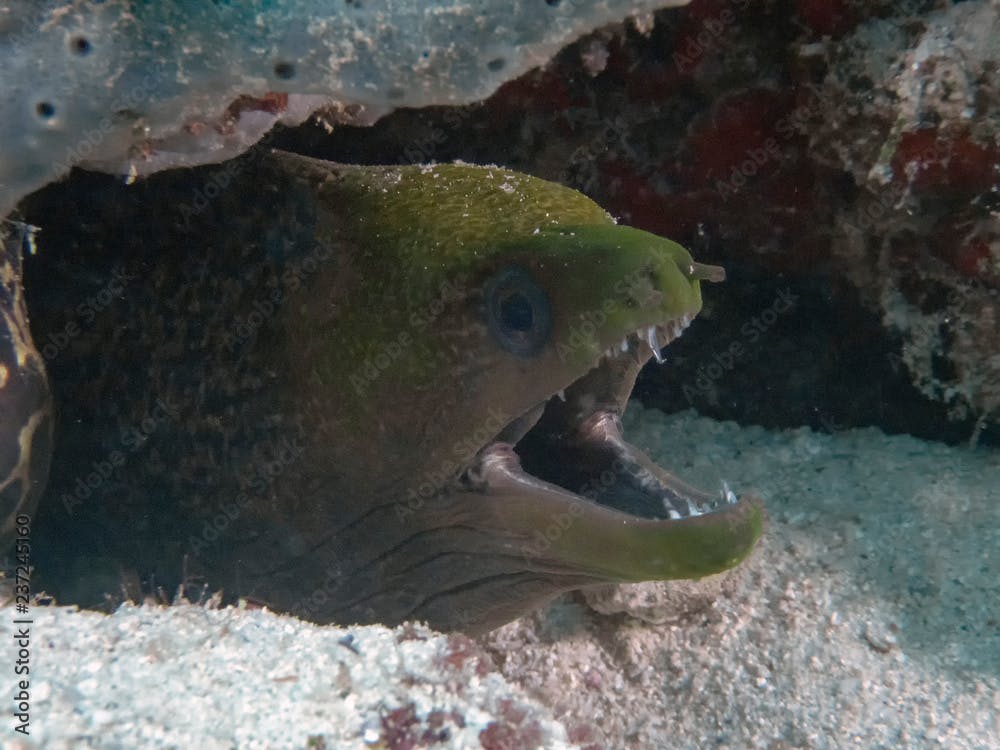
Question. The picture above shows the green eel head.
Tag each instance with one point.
(469, 386)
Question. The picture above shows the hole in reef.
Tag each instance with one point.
(80, 45)
(284, 70)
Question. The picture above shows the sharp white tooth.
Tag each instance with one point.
(692, 509)
(654, 344)
(561, 394)
(624, 344)
(728, 496)
(672, 514)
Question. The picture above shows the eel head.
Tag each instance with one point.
(488, 352)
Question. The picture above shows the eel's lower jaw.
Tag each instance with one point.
(634, 483)
(576, 538)
(592, 461)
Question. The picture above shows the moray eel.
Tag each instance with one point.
(376, 394)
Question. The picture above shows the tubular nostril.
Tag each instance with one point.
(706, 272)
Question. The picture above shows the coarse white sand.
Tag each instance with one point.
(190, 677)
(869, 617)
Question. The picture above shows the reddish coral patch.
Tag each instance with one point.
(827, 17)
(437, 726)
(582, 734)
(633, 198)
(704, 32)
(399, 728)
(539, 90)
(969, 243)
(927, 160)
(513, 730)
(742, 130)
(462, 650)
(273, 102)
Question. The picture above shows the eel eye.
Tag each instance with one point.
(518, 312)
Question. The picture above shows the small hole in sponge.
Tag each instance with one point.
(45, 110)
(80, 45)
(496, 64)
(284, 70)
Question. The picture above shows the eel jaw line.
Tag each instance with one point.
(655, 337)
(572, 443)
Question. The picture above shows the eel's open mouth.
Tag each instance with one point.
(573, 441)
(568, 496)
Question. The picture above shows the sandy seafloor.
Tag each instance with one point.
(869, 617)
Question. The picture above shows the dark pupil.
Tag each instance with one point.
(516, 313)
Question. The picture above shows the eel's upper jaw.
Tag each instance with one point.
(649, 340)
